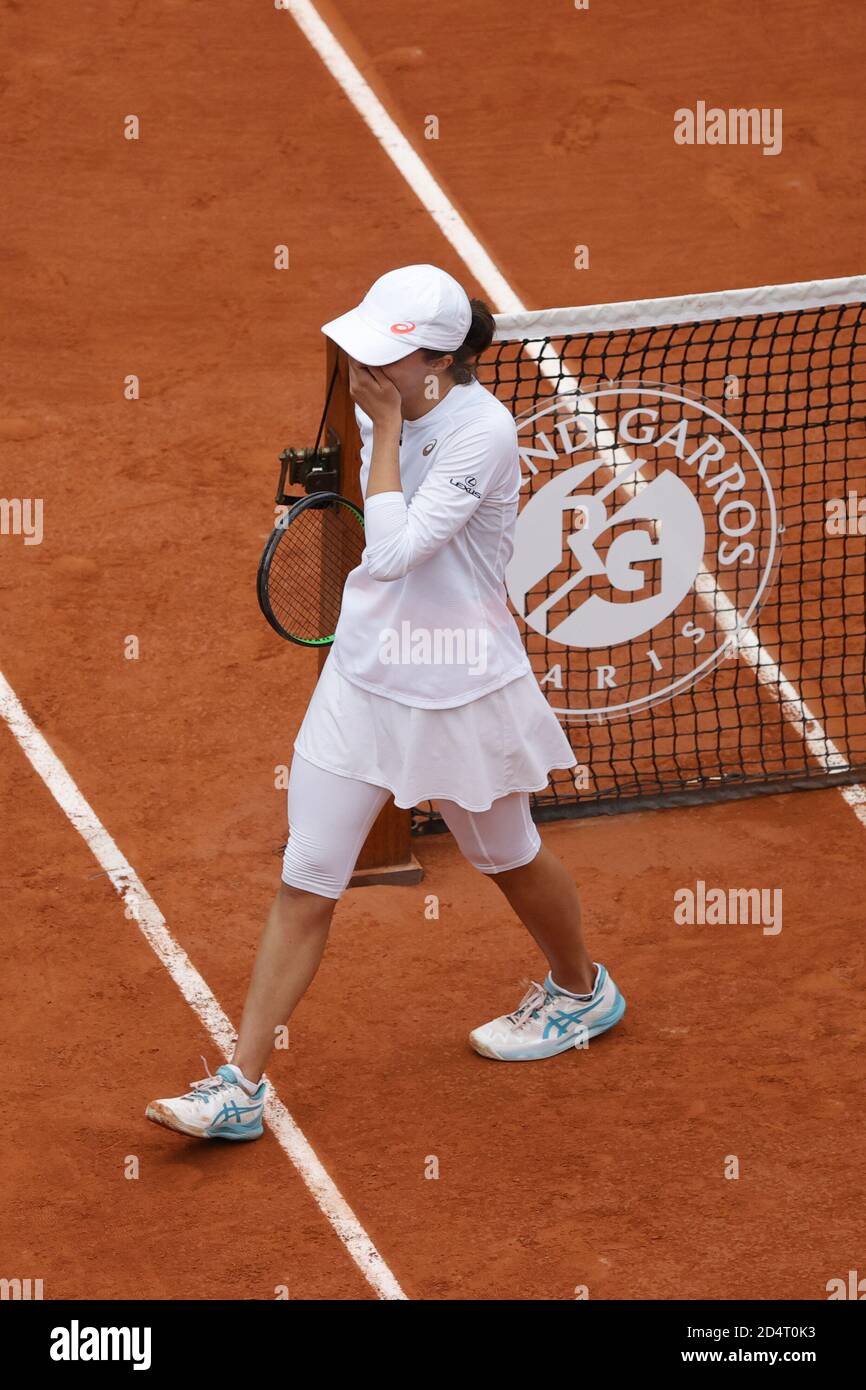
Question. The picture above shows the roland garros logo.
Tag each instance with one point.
(644, 548)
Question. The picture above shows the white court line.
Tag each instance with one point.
(426, 188)
(478, 261)
(141, 908)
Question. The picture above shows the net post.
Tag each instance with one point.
(387, 854)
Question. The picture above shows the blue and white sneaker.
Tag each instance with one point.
(218, 1107)
(546, 1021)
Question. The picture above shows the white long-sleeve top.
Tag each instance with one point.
(424, 618)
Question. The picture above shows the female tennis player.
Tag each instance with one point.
(427, 694)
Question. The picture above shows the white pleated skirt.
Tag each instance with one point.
(506, 741)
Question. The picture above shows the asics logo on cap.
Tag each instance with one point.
(402, 327)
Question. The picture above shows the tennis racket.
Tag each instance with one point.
(305, 563)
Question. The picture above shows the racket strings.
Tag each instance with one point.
(309, 566)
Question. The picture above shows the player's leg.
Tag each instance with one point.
(289, 952)
(578, 998)
(329, 820)
(545, 898)
(504, 844)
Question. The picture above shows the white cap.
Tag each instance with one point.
(417, 306)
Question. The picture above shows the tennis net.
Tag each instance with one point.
(689, 569)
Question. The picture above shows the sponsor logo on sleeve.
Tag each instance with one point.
(466, 485)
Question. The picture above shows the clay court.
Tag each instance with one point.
(600, 1170)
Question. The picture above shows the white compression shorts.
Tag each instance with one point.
(330, 817)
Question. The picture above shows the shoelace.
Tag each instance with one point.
(533, 1000)
(201, 1089)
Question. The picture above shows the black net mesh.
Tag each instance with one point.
(689, 558)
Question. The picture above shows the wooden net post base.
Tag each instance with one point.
(387, 854)
(389, 850)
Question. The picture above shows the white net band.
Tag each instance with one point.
(689, 308)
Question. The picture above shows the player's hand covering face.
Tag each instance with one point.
(374, 393)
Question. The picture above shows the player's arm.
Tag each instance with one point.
(467, 469)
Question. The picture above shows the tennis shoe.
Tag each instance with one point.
(548, 1021)
(217, 1107)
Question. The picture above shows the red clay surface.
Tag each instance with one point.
(603, 1168)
